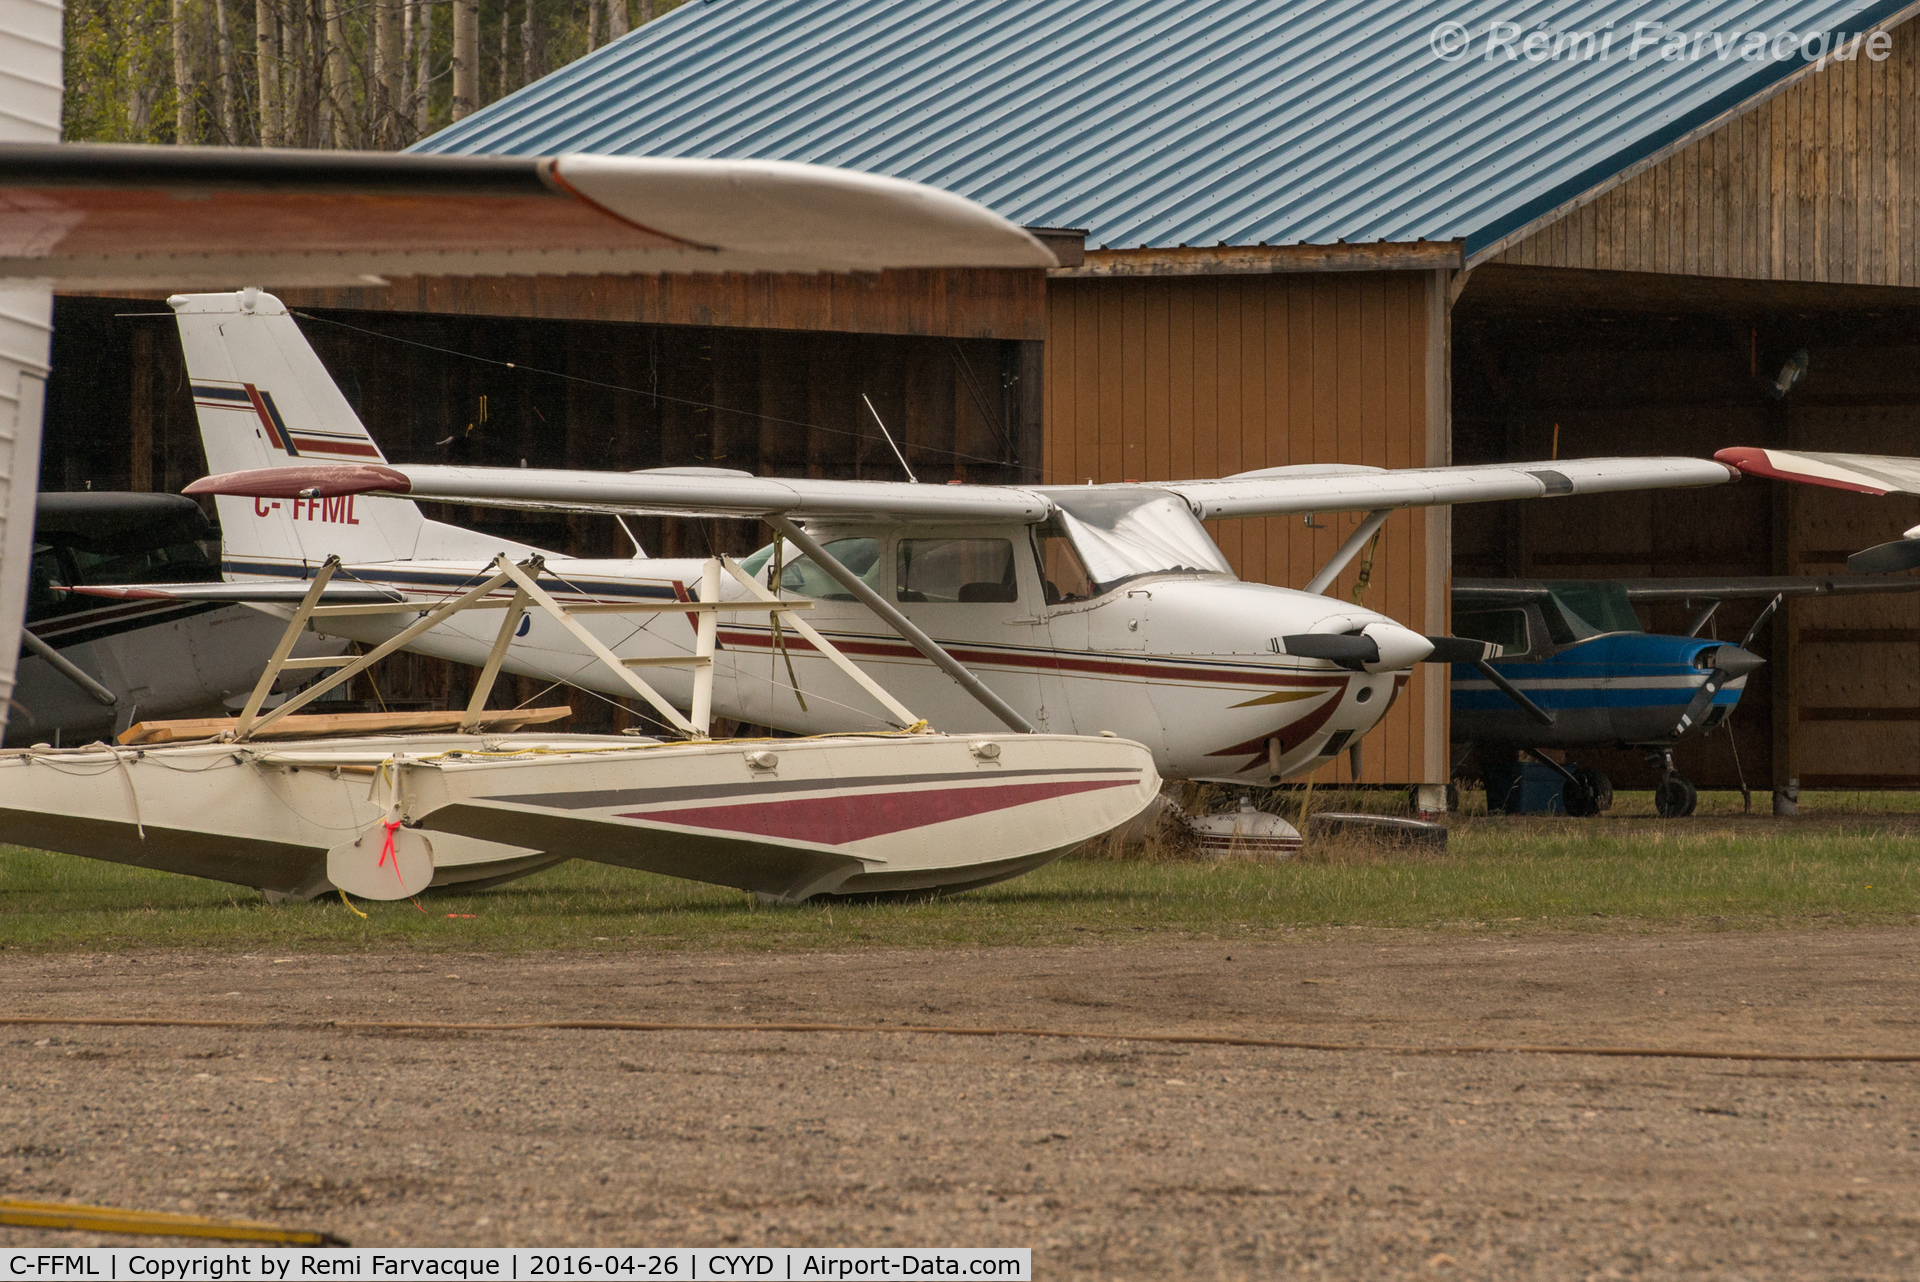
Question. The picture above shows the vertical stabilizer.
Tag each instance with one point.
(264, 400)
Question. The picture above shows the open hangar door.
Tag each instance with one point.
(1631, 363)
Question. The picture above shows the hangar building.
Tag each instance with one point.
(1312, 234)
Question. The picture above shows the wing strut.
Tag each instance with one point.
(68, 669)
(1351, 548)
(899, 623)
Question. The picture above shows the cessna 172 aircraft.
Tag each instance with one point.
(1579, 671)
(1089, 609)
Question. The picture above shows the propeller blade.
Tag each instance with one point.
(1730, 662)
(1886, 558)
(1746, 642)
(1697, 706)
(1348, 651)
(1514, 693)
(1462, 650)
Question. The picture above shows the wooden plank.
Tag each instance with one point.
(1104, 462)
(1157, 448)
(1252, 444)
(1180, 379)
(1061, 361)
(316, 726)
(1206, 387)
(1276, 417)
(1228, 406)
(1085, 460)
(1131, 426)
(1303, 407)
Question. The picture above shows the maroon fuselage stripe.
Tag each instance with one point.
(835, 821)
(1052, 662)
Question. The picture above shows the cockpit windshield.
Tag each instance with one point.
(1589, 608)
(1117, 535)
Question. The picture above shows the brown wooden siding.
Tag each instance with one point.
(1816, 184)
(942, 304)
(1849, 717)
(1172, 378)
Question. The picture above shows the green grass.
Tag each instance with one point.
(1500, 873)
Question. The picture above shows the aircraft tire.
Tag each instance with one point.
(1592, 793)
(1675, 799)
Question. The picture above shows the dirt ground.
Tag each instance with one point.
(1107, 1159)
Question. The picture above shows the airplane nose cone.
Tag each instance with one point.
(1730, 659)
(1399, 647)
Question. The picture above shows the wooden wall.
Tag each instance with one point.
(1819, 183)
(952, 304)
(1172, 378)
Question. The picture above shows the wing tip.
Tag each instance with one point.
(1760, 462)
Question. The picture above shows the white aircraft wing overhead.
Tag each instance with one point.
(717, 492)
(1861, 473)
(667, 491)
(1280, 491)
(180, 218)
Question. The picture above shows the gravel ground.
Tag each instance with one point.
(1109, 1159)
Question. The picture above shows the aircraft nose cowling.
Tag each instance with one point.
(1380, 646)
(1730, 659)
(1399, 647)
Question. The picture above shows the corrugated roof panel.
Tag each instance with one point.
(1158, 123)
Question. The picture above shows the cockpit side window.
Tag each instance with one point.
(1505, 628)
(1592, 607)
(803, 577)
(1063, 575)
(955, 570)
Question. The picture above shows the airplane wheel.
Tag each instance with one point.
(1675, 799)
(1592, 793)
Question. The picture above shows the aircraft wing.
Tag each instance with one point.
(666, 491)
(715, 492)
(180, 218)
(1861, 473)
(1281, 491)
(1765, 587)
(1496, 592)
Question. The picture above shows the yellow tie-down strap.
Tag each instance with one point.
(115, 1219)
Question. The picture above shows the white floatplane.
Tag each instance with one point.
(1074, 609)
(302, 805)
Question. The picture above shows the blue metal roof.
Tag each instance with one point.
(1158, 123)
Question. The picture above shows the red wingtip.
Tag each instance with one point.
(310, 481)
(1757, 462)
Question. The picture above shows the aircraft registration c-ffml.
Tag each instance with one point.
(1083, 609)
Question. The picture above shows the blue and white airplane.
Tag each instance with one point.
(1578, 670)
